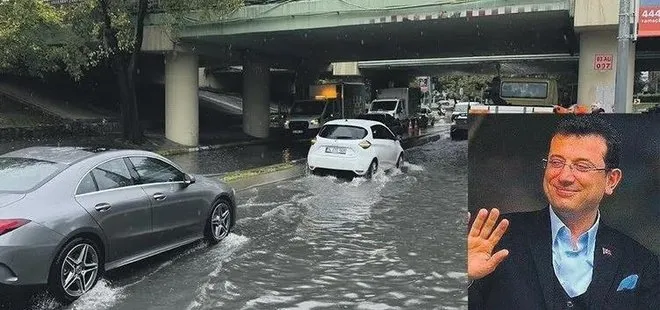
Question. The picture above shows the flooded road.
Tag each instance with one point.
(395, 242)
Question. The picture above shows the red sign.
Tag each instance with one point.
(603, 62)
(648, 18)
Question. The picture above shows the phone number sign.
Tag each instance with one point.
(648, 20)
(603, 62)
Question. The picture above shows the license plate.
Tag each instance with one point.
(335, 150)
(297, 131)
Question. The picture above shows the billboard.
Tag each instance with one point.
(648, 18)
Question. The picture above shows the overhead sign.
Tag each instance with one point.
(648, 18)
(603, 62)
(423, 82)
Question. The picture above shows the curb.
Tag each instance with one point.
(255, 142)
(246, 179)
(242, 180)
(217, 146)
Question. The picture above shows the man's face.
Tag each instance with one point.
(570, 190)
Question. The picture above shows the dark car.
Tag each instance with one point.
(388, 120)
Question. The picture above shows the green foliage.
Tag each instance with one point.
(37, 37)
(472, 84)
(26, 27)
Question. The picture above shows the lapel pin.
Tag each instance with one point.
(607, 251)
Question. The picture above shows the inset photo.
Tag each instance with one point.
(564, 211)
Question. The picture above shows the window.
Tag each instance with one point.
(342, 132)
(151, 170)
(385, 105)
(534, 90)
(308, 108)
(381, 132)
(87, 185)
(23, 174)
(113, 174)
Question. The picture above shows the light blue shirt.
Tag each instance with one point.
(573, 265)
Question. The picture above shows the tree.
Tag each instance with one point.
(472, 84)
(81, 34)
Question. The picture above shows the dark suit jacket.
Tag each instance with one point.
(525, 279)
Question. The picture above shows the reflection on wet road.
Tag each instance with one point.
(395, 242)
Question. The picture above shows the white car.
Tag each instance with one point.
(355, 145)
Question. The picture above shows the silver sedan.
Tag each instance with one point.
(69, 214)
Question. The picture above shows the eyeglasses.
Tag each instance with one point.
(580, 166)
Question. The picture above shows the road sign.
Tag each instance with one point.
(648, 18)
(603, 62)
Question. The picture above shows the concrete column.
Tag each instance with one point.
(181, 99)
(597, 86)
(256, 96)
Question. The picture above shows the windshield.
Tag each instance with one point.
(536, 90)
(342, 132)
(23, 174)
(461, 108)
(311, 107)
(387, 105)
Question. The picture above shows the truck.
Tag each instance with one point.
(522, 92)
(326, 102)
(509, 96)
(401, 103)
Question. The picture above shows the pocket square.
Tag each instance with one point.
(629, 283)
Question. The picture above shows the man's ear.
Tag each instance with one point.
(614, 177)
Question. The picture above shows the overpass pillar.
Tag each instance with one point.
(597, 75)
(256, 96)
(597, 24)
(181, 99)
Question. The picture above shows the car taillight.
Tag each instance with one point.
(365, 144)
(11, 224)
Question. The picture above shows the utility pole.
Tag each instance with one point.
(623, 58)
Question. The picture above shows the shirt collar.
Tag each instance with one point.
(556, 224)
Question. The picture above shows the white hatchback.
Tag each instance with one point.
(355, 145)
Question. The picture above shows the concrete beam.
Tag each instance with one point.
(312, 14)
(593, 15)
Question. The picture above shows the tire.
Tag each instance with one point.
(373, 167)
(399, 161)
(219, 222)
(81, 260)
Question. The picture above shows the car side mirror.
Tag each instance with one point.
(188, 179)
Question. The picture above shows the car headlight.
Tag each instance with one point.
(286, 124)
(314, 121)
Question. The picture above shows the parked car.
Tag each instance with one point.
(69, 214)
(459, 119)
(426, 117)
(354, 145)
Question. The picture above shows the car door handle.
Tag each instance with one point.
(102, 207)
(159, 196)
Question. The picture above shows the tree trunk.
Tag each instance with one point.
(125, 69)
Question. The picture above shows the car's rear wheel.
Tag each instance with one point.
(77, 268)
(373, 167)
(218, 225)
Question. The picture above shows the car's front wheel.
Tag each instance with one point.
(373, 167)
(399, 162)
(218, 224)
(76, 269)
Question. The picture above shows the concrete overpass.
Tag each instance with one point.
(307, 35)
